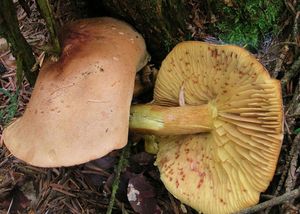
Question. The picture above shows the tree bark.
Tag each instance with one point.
(161, 22)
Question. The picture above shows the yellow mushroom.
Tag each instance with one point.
(218, 117)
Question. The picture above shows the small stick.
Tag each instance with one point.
(9, 29)
(10, 205)
(291, 73)
(270, 203)
(48, 16)
(295, 30)
(291, 179)
(115, 185)
(286, 166)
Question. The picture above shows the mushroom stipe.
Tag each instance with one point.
(218, 119)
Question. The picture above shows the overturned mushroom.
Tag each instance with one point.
(219, 117)
(79, 108)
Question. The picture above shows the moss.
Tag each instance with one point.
(245, 22)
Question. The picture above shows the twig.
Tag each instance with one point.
(10, 206)
(295, 30)
(9, 29)
(275, 201)
(293, 115)
(290, 181)
(291, 73)
(285, 43)
(47, 14)
(292, 106)
(286, 166)
(280, 60)
(291, 178)
(290, 7)
(122, 163)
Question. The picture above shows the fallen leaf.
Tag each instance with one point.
(142, 196)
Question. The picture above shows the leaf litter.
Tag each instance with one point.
(86, 188)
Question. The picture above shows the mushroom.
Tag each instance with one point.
(79, 109)
(218, 119)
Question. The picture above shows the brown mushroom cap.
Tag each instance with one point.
(79, 108)
(225, 169)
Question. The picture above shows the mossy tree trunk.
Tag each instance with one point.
(162, 22)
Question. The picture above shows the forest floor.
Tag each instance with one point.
(87, 188)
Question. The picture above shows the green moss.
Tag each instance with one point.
(245, 22)
(8, 113)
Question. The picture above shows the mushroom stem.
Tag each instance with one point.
(162, 120)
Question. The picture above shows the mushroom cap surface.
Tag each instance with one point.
(225, 170)
(79, 109)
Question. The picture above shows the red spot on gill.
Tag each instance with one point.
(222, 201)
(200, 182)
(187, 150)
(201, 174)
(176, 155)
(195, 81)
(190, 160)
(171, 172)
(183, 177)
